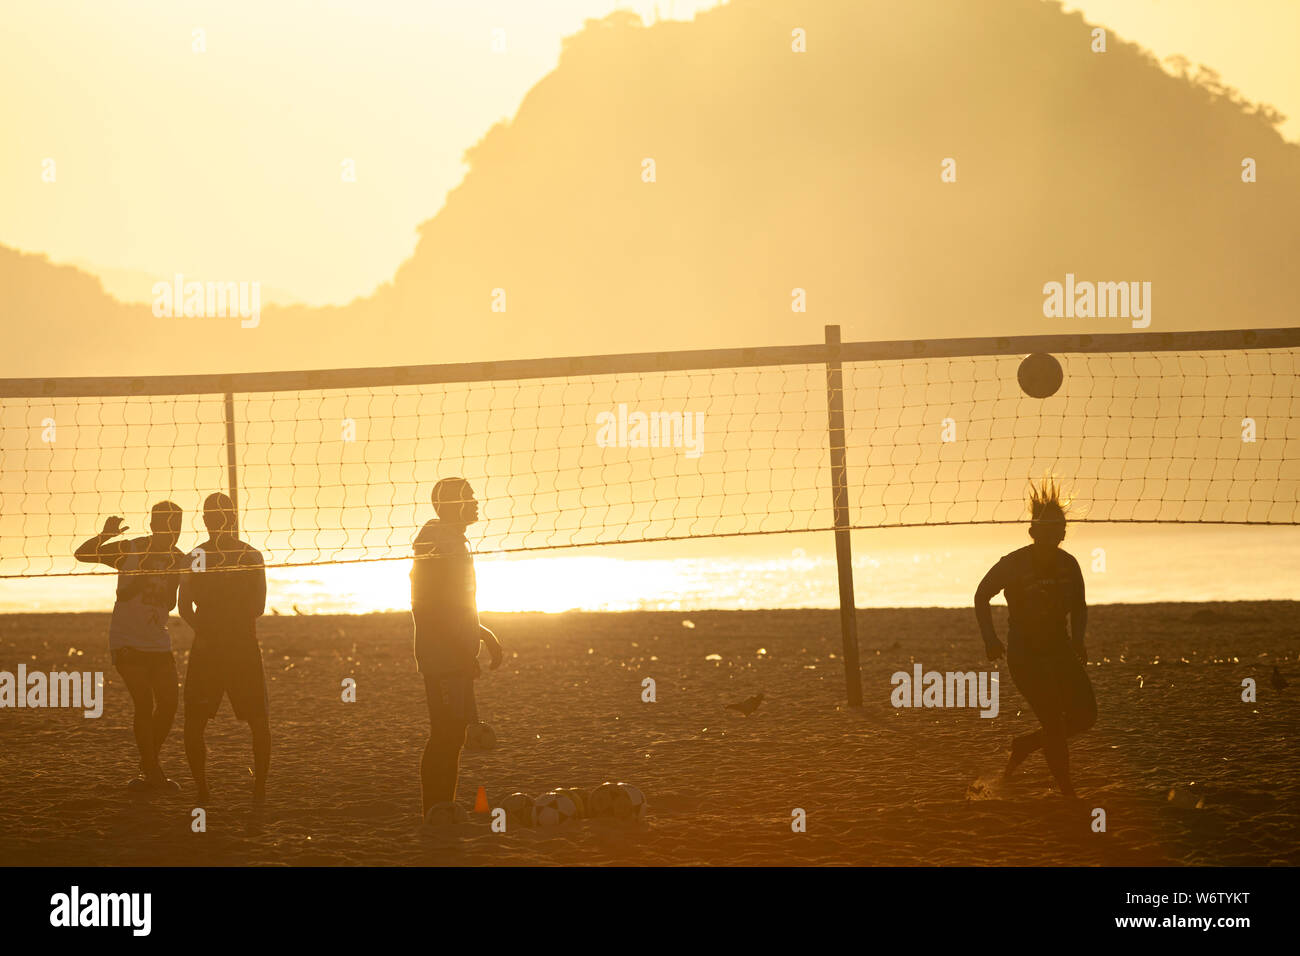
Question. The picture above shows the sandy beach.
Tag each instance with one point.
(1186, 772)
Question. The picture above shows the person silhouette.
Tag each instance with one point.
(448, 635)
(148, 574)
(1043, 586)
(221, 599)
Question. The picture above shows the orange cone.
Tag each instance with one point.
(480, 802)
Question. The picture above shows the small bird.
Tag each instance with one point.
(747, 707)
(1278, 680)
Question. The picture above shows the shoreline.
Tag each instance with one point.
(1267, 602)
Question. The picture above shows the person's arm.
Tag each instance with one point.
(423, 545)
(185, 601)
(993, 582)
(493, 646)
(259, 589)
(422, 549)
(1078, 615)
(99, 549)
(175, 578)
(260, 596)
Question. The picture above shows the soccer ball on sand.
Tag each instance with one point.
(552, 809)
(618, 801)
(519, 810)
(579, 797)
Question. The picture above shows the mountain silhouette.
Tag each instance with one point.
(775, 170)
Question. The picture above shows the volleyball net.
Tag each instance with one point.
(337, 466)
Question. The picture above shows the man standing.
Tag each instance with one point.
(148, 572)
(221, 599)
(444, 606)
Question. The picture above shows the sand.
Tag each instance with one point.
(1186, 772)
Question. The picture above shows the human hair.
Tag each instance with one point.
(165, 517)
(219, 512)
(1047, 511)
(450, 491)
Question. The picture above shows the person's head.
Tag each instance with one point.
(219, 513)
(453, 501)
(165, 522)
(1046, 514)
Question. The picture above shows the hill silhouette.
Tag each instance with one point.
(776, 170)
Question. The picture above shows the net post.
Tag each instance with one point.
(840, 505)
(232, 467)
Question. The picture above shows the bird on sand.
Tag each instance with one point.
(749, 705)
(1278, 681)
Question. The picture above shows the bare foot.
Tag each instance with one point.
(143, 784)
(158, 781)
(1019, 751)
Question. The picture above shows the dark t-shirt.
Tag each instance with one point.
(444, 603)
(1041, 594)
(229, 594)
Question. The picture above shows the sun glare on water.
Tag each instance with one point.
(504, 584)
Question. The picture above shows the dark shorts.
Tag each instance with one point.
(217, 671)
(1054, 682)
(451, 704)
(154, 663)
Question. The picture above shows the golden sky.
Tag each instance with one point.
(168, 156)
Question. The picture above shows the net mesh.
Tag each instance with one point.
(344, 475)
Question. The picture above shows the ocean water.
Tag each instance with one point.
(915, 567)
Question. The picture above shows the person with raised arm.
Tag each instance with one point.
(148, 574)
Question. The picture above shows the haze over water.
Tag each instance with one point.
(918, 567)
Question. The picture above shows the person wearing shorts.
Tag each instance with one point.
(448, 635)
(148, 573)
(221, 598)
(1044, 589)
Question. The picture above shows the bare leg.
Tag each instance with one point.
(1073, 710)
(261, 728)
(1058, 758)
(136, 677)
(164, 713)
(196, 752)
(1021, 748)
(1078, 713)
(449, 705)
(439, 770)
